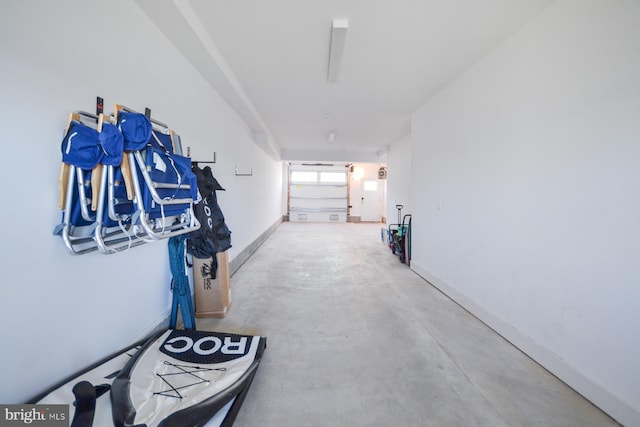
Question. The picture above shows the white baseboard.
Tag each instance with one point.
(617, 408)
(236, 262)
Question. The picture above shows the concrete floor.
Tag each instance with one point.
(357, 339)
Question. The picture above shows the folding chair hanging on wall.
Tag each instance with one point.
(121, 184)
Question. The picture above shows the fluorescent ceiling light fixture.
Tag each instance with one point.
(338, 37)
(332, 136)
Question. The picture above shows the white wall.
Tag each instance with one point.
(62, 312)
(526, 201)
(399, 179)
(285, 187)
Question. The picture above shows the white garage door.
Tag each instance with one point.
(318, 193)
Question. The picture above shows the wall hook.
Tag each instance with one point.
(202, 161)
(243, 174)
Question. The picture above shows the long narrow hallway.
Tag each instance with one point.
(357, 339)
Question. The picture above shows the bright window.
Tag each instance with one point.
(333, 177)
(303, 176)
(371, 186)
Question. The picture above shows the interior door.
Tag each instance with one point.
(371, 200)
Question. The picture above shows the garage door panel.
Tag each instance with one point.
(318, 194)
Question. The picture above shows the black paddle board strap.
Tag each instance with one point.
(102, 389)
(85, 403)
(85, 394)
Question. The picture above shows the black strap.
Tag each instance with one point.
(85, 403)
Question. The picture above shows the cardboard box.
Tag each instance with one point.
(213, 296)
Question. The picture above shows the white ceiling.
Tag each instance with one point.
(269, 60)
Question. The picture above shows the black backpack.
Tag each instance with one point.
(213, 236)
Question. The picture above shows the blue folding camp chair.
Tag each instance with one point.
(116, 206)
(165, 187)
(89, 143)
(122, 185)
